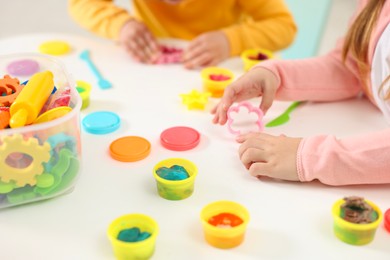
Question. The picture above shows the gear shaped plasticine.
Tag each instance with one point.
(16, 144)
(11, 88)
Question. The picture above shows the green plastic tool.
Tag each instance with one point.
(284, 117)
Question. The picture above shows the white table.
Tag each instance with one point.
(147, 100)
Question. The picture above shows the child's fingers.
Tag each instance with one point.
(144, 48)
(136, 49)
(227, 100)
(131, 48)
(193, 51)
(198, 61)
(248, 145)
(267, 100)
(152, 42)
(260, 169)
(215, 112)
(252, 155)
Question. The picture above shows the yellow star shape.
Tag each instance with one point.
(195, 99)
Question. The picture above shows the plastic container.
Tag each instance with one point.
(84, 89)
(180, 189)
(351, 233)
(133, 250)
(249, 63)
(216, 87)
(40, 161)
(224, 237)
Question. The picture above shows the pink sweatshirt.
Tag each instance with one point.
(356, 160)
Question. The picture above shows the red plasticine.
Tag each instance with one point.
(169, 55)
(259, 56)
(219, 77)
(225, 220)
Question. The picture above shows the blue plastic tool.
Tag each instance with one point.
(102, 82)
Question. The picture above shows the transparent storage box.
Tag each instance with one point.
(40, 161)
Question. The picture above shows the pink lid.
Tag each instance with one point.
(180, 138)
(387, 220)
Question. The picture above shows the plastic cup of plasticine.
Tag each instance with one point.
(352, 233)
(176, 189)
(133, 250)
(84, 89)
(251, 57)
(224, 237)
(216, 87)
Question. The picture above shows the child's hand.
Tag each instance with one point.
(267, 155)
(139, 42)
(207, 49)
(257, 82)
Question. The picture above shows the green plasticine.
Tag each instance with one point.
(68, 177)
(20, 195)
(57, 171)
(6, 187)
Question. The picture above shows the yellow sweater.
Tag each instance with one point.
(247, 23)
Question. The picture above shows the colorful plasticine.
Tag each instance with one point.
(225, 220)
(173, 173)
(352, 233)
(9, 90)
(133, 234)
(217, 233)
(195, 99)
(137, 250)
(177, 189)
(4, 117)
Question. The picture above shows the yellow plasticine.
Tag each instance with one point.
(16, 144)
(195, 99)
(55, 48)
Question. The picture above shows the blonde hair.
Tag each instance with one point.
(358, 39)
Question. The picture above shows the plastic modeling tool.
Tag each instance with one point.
(284, 117)
(251, 109)
(102, 82)
(27, 105)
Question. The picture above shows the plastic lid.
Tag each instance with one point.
(101, 122)
(387, 220)
(130, 149)
(180, 138)
(52, 114)
(54, 47)
(25, 67)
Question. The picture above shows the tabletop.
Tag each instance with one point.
(287, 220)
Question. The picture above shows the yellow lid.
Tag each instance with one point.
(54, 48)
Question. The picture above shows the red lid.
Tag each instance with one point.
(180, 138)
(387, 220)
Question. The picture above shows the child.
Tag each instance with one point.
(217, 29)
(361, 64)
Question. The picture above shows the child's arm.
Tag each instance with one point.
(323, 78)
(356, 160)
(271, 26)
(99, 16)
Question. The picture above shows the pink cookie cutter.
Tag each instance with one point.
(251, 109)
